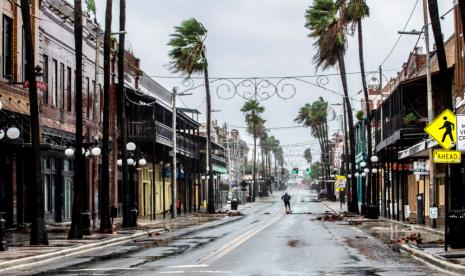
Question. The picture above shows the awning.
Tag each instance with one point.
(221, 170)
(419, 150)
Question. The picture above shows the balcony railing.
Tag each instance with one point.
(164, 132)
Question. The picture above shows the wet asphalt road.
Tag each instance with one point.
(265, 242)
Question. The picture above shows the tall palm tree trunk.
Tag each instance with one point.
(350, 121)
(105, 224)
(367, 104)
(75, 232)
(38, 227)
(346, 156)
(462, 16)
(127, 220)
(254, 173)
(211, 194)
(446, 97)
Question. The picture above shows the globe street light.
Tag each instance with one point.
(366, 170)
(363, 174)
(357, 174)
(142, 162)
(13, 133)
(69, 152)
(96, 151)
(374, 159)
(130, 146)
(363, 164)
(2, 134)
(374, 170)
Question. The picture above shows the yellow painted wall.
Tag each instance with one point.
(145, 196)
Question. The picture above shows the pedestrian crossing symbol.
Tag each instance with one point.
(443, 129)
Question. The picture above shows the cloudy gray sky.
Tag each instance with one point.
(262, 38)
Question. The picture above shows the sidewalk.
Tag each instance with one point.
(21, 254)
(430, 250)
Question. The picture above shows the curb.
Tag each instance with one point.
(53, 256)
(48, 257)
(436, 261)
(413, 226)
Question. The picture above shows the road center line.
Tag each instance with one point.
(230, 246)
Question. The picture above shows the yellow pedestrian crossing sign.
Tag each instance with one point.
(443, 129)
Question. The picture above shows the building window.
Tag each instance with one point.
(88, 97)
(45, 78)
(54, 82)
(68, 89)
(7, 38)
(101, 102)
(62, 87)
(24, 57)
(95, 97)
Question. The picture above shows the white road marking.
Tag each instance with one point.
(227, 248)
(187, 266)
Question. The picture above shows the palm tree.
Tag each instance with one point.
(189, 56)
(314, 116)
(445, 84)
(308, 155)
(128, 219)
(253, 109)
(105, 224)
(75, 232)
(462, 15)
(38, 227)
(353, 12)
(328, 30)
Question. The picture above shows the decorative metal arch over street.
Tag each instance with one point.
(258, 88)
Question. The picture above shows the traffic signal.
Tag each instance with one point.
(295, 170)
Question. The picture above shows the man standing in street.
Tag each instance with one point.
(287, 202)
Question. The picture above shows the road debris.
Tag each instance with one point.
(230, 213)
(330, 217)
(414, 238)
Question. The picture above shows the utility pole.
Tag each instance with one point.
(429, 94)
(175, 171)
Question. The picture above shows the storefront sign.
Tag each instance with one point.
(460, 132)
(443, 129)
(447, 156)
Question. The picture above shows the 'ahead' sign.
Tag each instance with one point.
(447, 156)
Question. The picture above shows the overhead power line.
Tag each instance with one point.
(269, 77)
(400, 35)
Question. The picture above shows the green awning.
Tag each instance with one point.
(221, 170)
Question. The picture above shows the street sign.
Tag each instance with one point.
(420, 168)
(442, 129)
(447, 156)
(433, 212)
(341, 181)
(460, 132)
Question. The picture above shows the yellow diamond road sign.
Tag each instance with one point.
(447, 156)
(443, 129)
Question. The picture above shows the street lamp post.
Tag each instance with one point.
(174, 174)
(133, 160)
